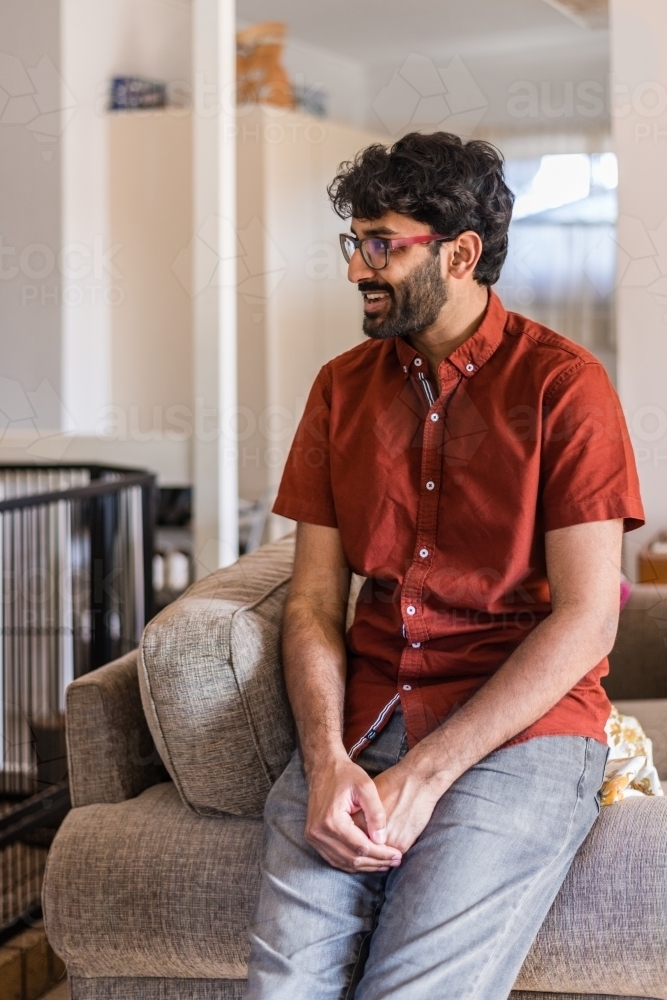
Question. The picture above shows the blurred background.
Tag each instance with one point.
(171, 282)
(125, 233)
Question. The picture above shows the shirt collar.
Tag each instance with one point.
(472, 354)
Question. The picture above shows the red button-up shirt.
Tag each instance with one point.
(442, 503)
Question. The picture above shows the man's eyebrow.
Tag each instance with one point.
(377, 231)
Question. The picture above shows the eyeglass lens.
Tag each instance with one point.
(373, 250)
(347, 246)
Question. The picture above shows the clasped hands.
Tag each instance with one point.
(361, 824)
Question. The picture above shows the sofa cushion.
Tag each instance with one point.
(212, 688)
(138, 988)
(605, 933)
(147, 888)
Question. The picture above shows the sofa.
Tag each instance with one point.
(152, 877)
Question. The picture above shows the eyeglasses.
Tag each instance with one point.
(375, 250)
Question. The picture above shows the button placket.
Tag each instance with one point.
(415, 629)
(427, 518)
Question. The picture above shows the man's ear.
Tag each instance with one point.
(464, 253)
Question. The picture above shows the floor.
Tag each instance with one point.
(59, 992)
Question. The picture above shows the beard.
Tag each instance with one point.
(415, 303)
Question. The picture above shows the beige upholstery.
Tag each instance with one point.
(131, 988)
(225, 989)
(148, 888)
(211, 688)
(610, 907)
(146, 899)
(520, 995)
(110, 750)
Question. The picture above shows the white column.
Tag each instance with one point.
(86, 31)
(639, 114)
(215, 467)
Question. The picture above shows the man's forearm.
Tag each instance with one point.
(547, 664)
(315, 672)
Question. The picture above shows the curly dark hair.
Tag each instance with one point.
(452, 186)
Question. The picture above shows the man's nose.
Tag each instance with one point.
(358, 270)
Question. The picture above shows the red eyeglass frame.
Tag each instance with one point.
(389, 245)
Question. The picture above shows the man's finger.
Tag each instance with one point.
(371, 805)
(355, 864)
(356, 839)
(342, 838)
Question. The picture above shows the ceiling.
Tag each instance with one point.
(502, 43)
(377, 30)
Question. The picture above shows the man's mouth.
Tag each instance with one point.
(374, 301)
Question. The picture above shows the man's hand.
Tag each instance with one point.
(409, 802)
(408, 799)
(338, 790)
(315, 662)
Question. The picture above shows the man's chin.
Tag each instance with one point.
(378, 329)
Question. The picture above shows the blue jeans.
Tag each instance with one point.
(458, 916)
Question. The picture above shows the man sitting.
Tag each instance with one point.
(475, 468)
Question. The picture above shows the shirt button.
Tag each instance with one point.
(423, 553)
(470, 368)
(435, 417)
(405, 368)
(411, 609)
(407, 687)
(418, 362)
(430, 485)
(416, 645)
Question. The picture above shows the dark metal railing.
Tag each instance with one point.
(75, 592)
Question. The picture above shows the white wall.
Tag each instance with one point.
(341, 79)
(30, 214)
(102, 39)
(296, 307)
(150, 205)
(639, 75)
(168, 457)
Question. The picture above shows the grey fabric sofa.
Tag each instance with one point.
(152, 878)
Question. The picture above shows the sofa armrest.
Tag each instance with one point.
(605, 933)
(638, 661)
(110, 750)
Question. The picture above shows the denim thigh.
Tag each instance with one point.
(312, 922)
(462, 910)
(457, 918)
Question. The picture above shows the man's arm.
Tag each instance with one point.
(583, 567)
(315, 674)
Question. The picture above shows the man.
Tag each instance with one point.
(475, 468)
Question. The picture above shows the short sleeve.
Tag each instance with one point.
(305, 492)
(588, 470)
